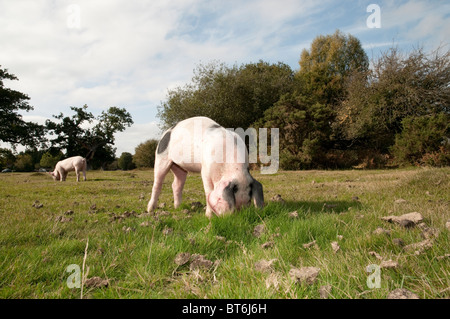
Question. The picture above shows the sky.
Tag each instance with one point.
(128, 54)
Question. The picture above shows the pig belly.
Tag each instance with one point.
(190, 167)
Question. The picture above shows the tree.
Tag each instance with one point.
(95, 143)
(232, 96)
(49, 160)
(13, 129)
(397, 87)
(324, 70)
(24, 163)
(304, 126)
(126, 161)
(306, 115)
(144, 154)
(325, 67)
(424, 140)
(7, 158)
(70, 135)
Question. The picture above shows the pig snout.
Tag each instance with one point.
(222, 199)
(228, 196)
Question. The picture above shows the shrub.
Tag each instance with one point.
(144, 154)
(438, 158)
(24, 163)
(49, 161)
(126, 161)
(424, 140)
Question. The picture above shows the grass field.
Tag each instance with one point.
(101, 226)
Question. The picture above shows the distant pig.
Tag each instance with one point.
(201, 145)
(62, 168)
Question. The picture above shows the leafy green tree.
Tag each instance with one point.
(49, 160)
(232, 96)
(7, 158)
(144, 154)
(324, 70)
(304, 129)
(306, 115)
(325, 67)
(94, 143)
(24, 163)
(13, 129)
(126, 161)
(69, 133)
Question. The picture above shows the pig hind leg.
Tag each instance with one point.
(162, 167)
(77, 172)
(178, 183)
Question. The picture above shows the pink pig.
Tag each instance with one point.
(62, 168)
(201, 145)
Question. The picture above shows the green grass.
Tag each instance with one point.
(36, 248)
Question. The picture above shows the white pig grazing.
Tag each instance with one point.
(62, 168)
(201, 145)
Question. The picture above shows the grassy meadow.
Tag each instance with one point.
(101, 224)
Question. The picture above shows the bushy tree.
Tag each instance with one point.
(304, 128)
(305, 116)
(325, 67)
(144, 154)
(94, 143)
(232, 96)
(7, 158)
(126, 161)
(424, 140)
(13, 129)
(24, 163)
(49, 160)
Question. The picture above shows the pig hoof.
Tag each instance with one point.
(209, 214)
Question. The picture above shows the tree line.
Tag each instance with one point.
(338, 110)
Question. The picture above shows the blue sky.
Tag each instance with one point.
(129, 53)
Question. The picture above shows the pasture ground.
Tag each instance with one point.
(101, 224)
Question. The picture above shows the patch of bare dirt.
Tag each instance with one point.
(402, 293)
(96, 282)
(259, 230)
(406, 220)
(306, 275)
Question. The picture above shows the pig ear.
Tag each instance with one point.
(257, 194)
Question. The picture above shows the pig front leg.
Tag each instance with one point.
(209, 187)
(62, 175)
(162, 167)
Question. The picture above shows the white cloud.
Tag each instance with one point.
(416, 22)
(132, 137)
